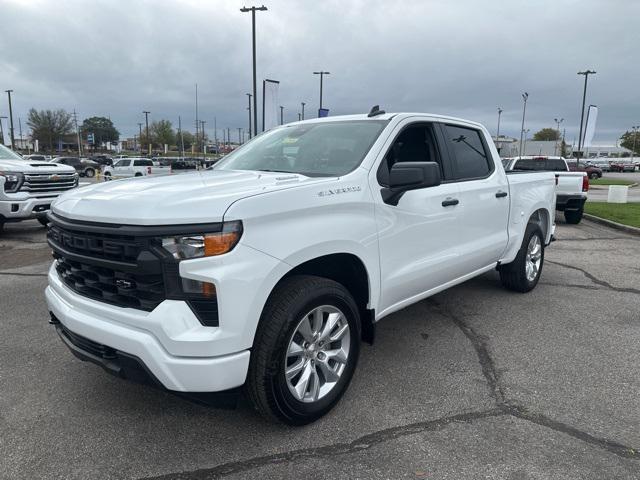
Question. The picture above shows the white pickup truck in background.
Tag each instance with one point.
(134, 167)
(268, 270)
(28, 187)
(572, 188)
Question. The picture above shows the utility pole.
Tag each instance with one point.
(181, 136)
(197, 122)
(20, 131)
(525, 97)
(11, 136)
(498, 130)
(140, 135)
(146, 116)
(281, 115)
(75, 120)
(526, 132)
(299, 116)
(303, 104)
(322, 74)
(249, 95)
(558, 122)
(215, 133)
(255, 87)
(586, 74)
(229, 137)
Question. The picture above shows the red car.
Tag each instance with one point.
(622, 167)
(592, 172)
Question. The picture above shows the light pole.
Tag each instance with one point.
(635, 136)
(140, 135)
(303, 104)
(322, 74)
(11, 136)
(498, 130)
(249, 95)
(146, 117)
(255, 88)
(202, 122)
(525, 97)
(526, 132)
(558, 122)
(281, 115)
(2, 131)
(586, 74)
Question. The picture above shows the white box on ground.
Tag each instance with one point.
(618, 194)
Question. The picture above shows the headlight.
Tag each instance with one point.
(204, 245)
(12, 181)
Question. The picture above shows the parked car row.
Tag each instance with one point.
(614, 165)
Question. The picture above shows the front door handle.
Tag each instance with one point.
(501, 194)
(450, 201)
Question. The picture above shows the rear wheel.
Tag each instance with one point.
(523, 273)
(594, 175)
(89, 172)
(573, 216)
(107, 176)
(305, 350)
(138, 174)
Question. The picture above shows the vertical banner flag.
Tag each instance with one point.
(270, 104)
(590, 128)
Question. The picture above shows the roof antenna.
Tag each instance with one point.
(375, 110)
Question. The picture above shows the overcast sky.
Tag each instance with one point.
(464, 58)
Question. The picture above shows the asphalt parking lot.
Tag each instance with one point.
(476, 382)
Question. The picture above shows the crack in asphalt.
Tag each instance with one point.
(511, 408)
(571, 285)
(596, 280)
(24, 274)
(592, 239)
(357, 445)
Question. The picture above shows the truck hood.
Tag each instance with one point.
(198, 197)
(25, 166)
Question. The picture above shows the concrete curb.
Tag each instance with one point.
(610, 224)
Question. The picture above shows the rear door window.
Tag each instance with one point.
(142, 163)
(470, 156)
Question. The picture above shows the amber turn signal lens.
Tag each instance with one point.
(220, 243)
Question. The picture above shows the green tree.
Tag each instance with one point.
(188, 138)
(48, 126)
(631, 139)
(162, 133)
(102, 129)
(547, 134)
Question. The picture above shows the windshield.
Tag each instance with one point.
(315, 149)
(7, 154)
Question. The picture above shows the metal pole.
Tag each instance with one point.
(322, 74)
(635, 136)
(140, 135)
(146, 117)
(75, 119)
(498, 130)
(239, 135)
(299, 116)
(249, 95)
(255, 84)
(1, 132)
(586, 74)
(303, 104)
(11, 136)
(202, 122)
(281, 115)
(215, 133)
(20, 132)
(525, 96)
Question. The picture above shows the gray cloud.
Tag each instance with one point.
(463, 58)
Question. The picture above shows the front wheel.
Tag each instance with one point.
(89, 172)
(523, 273)
(594, 176)
(305, 350)
(573, 217)
(107, 176)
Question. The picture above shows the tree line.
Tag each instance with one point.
(51, 126)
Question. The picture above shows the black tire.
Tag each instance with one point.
(573, 217)
(1, 227)
(107, 176)
(594, 175)
(43, 221)
(266, 384)
(89, 173)
(513, 275)
(138, 174)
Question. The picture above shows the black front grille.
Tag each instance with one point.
(112, 268)
(99, 245)
(132, 290)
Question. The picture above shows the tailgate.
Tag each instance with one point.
(570, 182)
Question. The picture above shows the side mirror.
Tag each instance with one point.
(405, 176)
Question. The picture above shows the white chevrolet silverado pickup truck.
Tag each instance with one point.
(134, 167)
(572, 187)
(28, 187)
(265, 273)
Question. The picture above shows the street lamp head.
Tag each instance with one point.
(322, 73)
(525, 96)
(499, 110)
(587, 72)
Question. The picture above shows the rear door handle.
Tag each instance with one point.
(450, 201)
(501, 194)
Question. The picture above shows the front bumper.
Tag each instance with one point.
(95, 322)
(16, 210)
